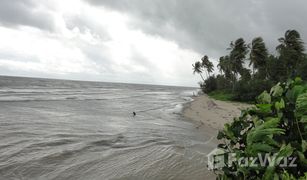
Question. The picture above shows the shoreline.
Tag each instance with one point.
(209, 116)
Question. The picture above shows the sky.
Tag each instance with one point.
(134, 41)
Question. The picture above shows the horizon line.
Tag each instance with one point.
(79, 80)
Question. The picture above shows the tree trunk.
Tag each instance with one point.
(233, 83)
(202, 77)
(207, 74)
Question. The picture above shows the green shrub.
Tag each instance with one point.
(302, 70)
(209, 85)
(213, 83)
(222, 95)
(222, 83)
(247, 91)
(277, 125)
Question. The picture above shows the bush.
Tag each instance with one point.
(215, 83)
(222, 95)
(222, 83)
(302, 70)
(247, 91)
(277, 125)
(209, 85)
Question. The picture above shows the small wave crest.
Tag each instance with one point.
(190, 93)
(177, 109)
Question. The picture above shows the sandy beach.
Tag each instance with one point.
(212, 114)
(209, 116)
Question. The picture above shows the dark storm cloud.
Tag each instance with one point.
(24, 12)
(209, 26)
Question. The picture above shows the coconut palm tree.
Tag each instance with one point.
(197, 68)
(222, 65)
(209, 67)
(237, 55)
(258, 55)
(291, 50)
(225, 66)
(204, 60)
(207, 64)
(292, 39)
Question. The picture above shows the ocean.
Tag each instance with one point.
(60, 129)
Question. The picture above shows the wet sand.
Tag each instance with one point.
(210, 115)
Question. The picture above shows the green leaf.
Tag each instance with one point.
(285, 151)
(270, 141)
(301, 105)
(276, 90)
(294, 93)
(304, 177)
(228, 132)
(302, 157)
(298, 80)
(280, 105)
(264, 108)
(255, 148)
(304, 145)
(264, 98)
(263, 132)
(303, 119)
(220, 135)
(286, 176)
(257, 121)
(269, 173)
(269, 127)
(271, 122)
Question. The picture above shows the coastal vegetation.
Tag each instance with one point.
(249, 69)
(269, 141)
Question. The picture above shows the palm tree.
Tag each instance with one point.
(207, 64)
(293, 40)
(204, 60)
(210, 67)
(291, 50)
(222, 65)
(246, 74)
(258, 55)
(237, 55)
(197, 68)
(225, 66)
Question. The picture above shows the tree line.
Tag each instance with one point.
(249, 69)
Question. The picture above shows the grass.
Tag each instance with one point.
(221, 95)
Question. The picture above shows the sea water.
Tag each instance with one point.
(59, 129)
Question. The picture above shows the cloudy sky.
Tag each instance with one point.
(136, 41)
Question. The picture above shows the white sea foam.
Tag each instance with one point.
(188, 99)
(178, 108)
